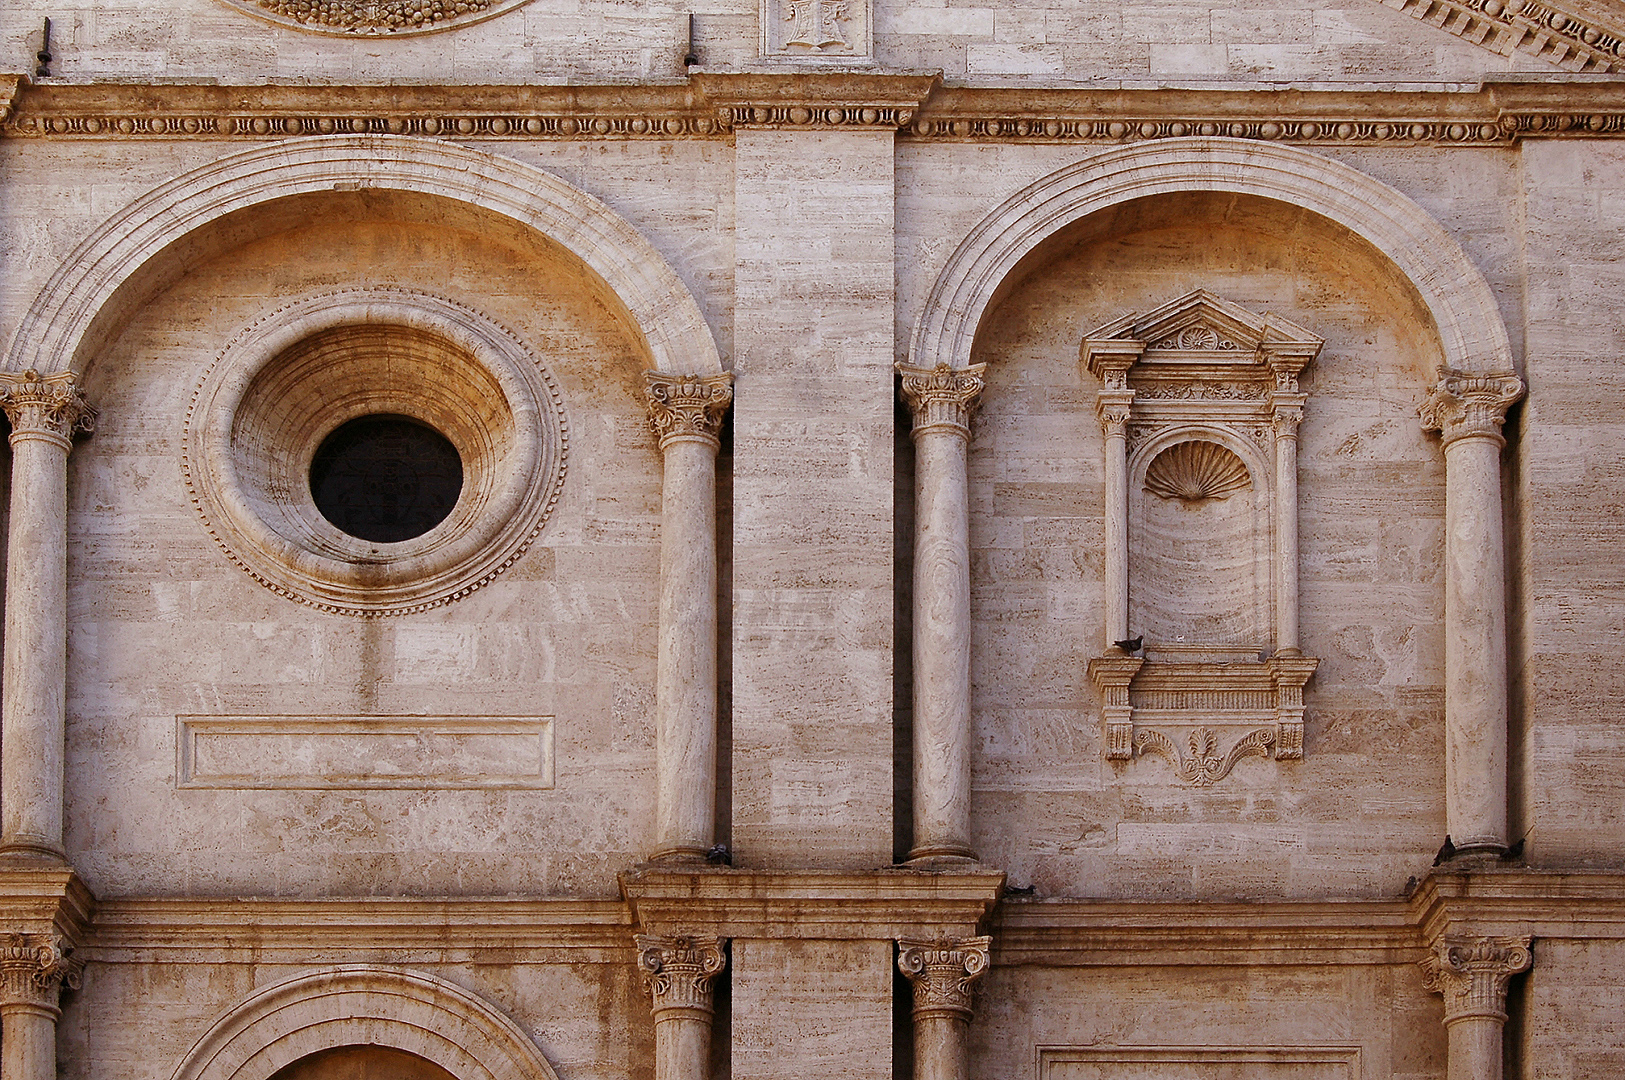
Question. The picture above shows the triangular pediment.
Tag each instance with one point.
(1199, 326)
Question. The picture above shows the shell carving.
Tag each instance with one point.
(1196, 470)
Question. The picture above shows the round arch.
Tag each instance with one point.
(57, 334)
(363, 1004)
(1470, 327)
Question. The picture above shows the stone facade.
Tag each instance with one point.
(1033, 539)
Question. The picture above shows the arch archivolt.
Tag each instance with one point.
(364, 1005)
(63, 327)
(1471, 332)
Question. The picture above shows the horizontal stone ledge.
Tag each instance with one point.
(715, 103)
(812, 904)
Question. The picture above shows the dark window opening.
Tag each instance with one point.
(386, 478)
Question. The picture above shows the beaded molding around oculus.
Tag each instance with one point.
(368, 18)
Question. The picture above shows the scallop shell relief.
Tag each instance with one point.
(1196, 470)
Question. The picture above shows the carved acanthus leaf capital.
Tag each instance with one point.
(1466, 406)
(1472, 973)
(687, 406)
(677, 972)
(33, 970)
(1114, 407)
(943, 397)
(52, 406)
(944, 973)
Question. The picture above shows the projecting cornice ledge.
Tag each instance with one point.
(821, 904)
(714, 105)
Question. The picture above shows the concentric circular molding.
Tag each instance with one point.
(375, 18)
(286, 382)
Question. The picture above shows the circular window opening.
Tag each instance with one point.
(386, 478)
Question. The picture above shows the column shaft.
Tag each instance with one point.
(28, 1042)
(687, 414)
(1286, 535)
(939, 1048)
(682, 1047)
(1475, 646)
(1474, 1049)
(44, 413)
(1116, 533)
(942, 400)
(1468, 411)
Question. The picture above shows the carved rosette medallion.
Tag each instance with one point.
(33, 970)
(1472, 974)
(371, 18)
(677, 973)
(944, 973)
(687, 406)
(45, 406)
(1464, 406)
(942, 398)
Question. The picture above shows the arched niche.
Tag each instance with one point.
(281, 1028)
(1201, 539)
(159, 234)
(363, 1063)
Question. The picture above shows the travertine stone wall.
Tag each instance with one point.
(1312, 1021)
(1370, 512)
(993, 41)
(813, 415)
(1571, 439)
(164, 626)
(780, 999)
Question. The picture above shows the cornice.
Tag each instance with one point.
(715, 104)
(829, 905)
(299, 930)
(43, 899)
(1103, 933)
(1557, 32)
(1546, 903)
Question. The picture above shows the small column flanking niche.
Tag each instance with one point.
(1200, 406)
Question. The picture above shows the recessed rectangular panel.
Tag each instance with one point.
(1199, 1063)
(323, 752)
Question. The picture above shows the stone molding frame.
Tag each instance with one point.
(364, 1004)
(1471, 331)
(78, 307)
(1201, 372)
(389, 18)
(277, 390)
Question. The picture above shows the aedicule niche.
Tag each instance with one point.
(1200, 407)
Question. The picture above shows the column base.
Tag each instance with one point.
(941, 857)
(32, 854)
(680, 856)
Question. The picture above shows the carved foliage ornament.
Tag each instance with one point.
(944, 973)
(1472, 974)
(1204, 765)
(1463, 405)
(687, 406)
(45, 405)
(677, 971)
(374, 17)
(34, 968)
(942, 397)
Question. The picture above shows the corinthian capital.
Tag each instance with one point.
(1472, 974)
(943, 973)
(687, 406)
(33, 970)
(677, 973)
(943, 397)
(38, 405)
(1464, 406)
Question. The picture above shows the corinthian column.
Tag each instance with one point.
(1468, 411)
(45, 412)
(677, 973)
(1472, 974)
(686, 412)
(942, 400)
(943, 973)
(32, 971)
